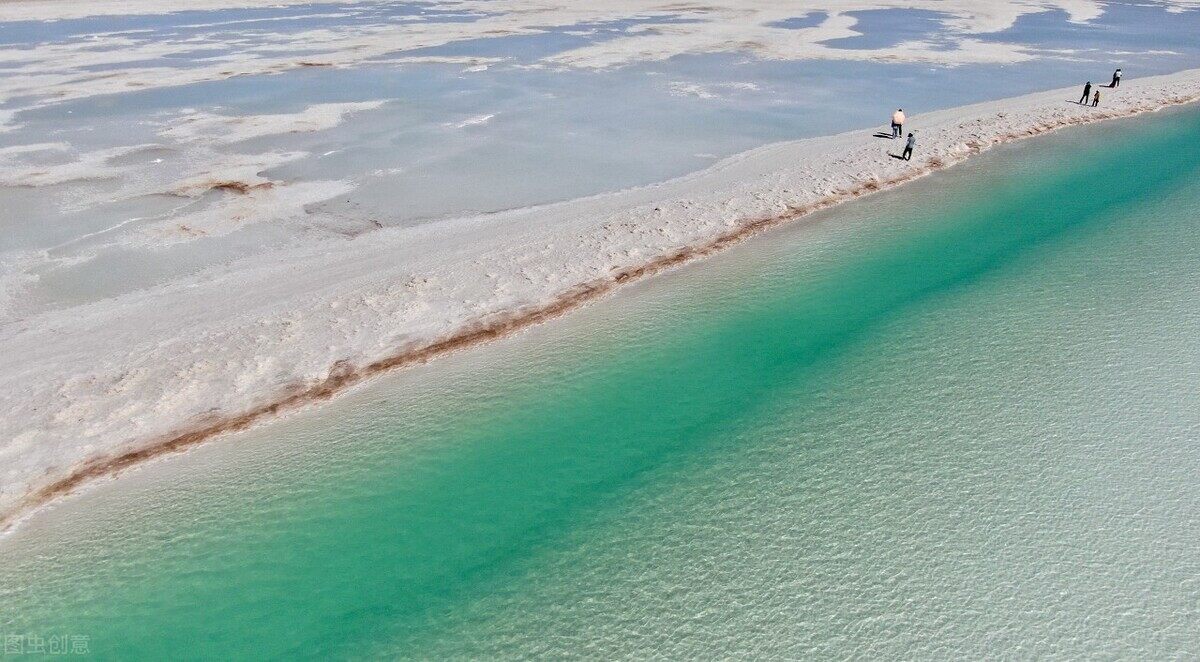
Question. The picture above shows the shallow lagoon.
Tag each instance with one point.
(950, 420)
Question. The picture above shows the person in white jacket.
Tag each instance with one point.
(898, 123)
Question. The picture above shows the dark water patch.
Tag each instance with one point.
(883, 28)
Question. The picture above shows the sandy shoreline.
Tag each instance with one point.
(98, 388)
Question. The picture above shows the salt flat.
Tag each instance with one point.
(210, 215)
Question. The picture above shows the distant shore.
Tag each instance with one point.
(95, 389)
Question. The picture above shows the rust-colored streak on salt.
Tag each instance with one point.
(239, 187)
(343, 375)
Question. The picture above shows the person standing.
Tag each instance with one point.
(908, 147)
(1116, 79)
(1096, 99)
(898, 123)
(1087, 92)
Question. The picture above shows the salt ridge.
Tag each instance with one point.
(94, 389)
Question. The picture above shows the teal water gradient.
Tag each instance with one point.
(878, 436)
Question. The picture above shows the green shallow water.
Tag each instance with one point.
(960, 420)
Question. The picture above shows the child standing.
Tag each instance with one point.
(908, 148)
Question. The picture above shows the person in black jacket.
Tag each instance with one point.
(1087, 90)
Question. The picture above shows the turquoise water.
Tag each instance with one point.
(955, 420)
